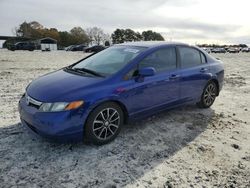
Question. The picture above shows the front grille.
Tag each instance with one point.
(33, 105)
(32, 102)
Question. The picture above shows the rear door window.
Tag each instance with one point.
(190, 57)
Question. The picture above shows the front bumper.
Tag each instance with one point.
(57, 126)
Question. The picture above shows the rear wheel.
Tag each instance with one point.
(104, 123)
(208, 96)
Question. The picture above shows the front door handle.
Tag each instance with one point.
(203, 70)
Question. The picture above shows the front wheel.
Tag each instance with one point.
(104, 123)
(208, 96)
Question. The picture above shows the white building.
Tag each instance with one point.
(48, 44)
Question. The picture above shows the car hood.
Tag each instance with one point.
(60, 86)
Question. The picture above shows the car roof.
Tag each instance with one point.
(151, 44)
(22, 43)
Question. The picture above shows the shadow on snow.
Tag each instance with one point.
(140, 147)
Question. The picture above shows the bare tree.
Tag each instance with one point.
(14, 31)
(106, 39)
(96, 35)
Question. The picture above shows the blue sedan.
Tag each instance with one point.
(94, 97)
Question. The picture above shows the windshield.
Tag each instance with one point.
(111, 60)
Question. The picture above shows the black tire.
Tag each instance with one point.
(209, 94)
(104, 123)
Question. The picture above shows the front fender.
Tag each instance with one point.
(114, 98)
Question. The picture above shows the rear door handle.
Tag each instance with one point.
(203, 70)
(174, 77)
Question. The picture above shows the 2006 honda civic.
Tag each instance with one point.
(94, 97)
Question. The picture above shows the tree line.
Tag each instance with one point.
(125, 35)
(222, 45)
(77, 35)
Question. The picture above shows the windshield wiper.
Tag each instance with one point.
(87, 71)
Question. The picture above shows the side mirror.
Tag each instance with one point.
(147, 71)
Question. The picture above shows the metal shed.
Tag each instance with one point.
(48, 44)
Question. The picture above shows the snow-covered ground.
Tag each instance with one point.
(184, 147)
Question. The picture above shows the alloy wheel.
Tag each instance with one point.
(209, 94)
(106, 123)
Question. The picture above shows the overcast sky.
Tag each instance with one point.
(192, 21)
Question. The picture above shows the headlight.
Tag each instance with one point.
(60, 106)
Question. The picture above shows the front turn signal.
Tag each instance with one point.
(74, 105)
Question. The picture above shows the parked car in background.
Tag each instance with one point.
(22, 46)
(93, 98)
(94, 49)
(208, 50)
(233, 50)
(79, 47)
(218, 50)
(68, 48)
(245, 50)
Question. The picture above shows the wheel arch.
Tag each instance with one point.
(217, 85)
